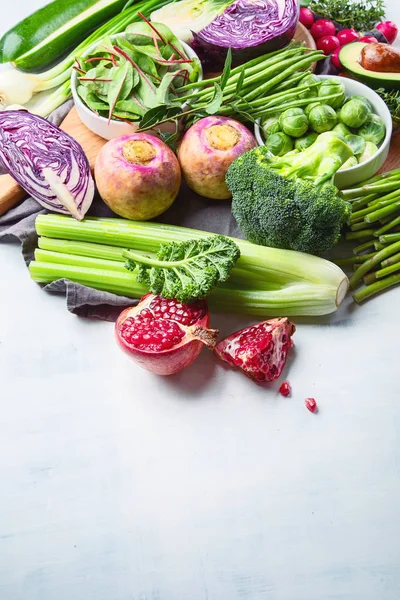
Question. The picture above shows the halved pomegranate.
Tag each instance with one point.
(165, 336)
(260, 350)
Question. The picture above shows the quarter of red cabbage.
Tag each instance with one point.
(46, 162)
(250, 28)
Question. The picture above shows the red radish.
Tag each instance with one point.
(335, 58)
(322, 28)
(306, 17)
(389, 30)
(285, 390)
(207, 150)
(260, 350)
(328, 44)
(164, 336)
(311, 404)
(346, 36)
(138, 176)
(368, 39)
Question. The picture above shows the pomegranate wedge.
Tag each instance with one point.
(260, 350)
(165, 336)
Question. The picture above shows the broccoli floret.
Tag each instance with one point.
(290, 202)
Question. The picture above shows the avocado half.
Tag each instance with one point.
(350, 56)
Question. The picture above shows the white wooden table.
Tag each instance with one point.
(118, 485)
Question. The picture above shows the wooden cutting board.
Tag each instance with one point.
(11, 193)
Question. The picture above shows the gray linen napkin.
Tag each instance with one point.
(189, 210)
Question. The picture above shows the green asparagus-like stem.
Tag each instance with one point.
(361, 202)
(390, 225)
(381, 273)
(352, 260)
(389, 238)
(375, 205)
(377, 188)
(375, 288)
(358, 235)
(379, 245)
(391, 260)
(359, 226)
(370, 263)
(381, 213)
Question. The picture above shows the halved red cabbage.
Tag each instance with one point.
(250, 28)
(46, 162)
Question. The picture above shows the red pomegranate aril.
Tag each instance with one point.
(285, 389)
(311, 404)
(260, 351)
(164, 336)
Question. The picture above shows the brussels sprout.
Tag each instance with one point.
(350, 162)
(279, 143)
(341, 130)
(305, 141)
(308, 80)
(310, 106)
(363, 99)
(369, 151)
(271, 125)
(373, 130)
(330, 87)
(293, 122)
(354, 113)
(356, 143)
(322, 118)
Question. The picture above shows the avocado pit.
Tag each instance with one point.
(380, 58)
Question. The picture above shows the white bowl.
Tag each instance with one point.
(114, 129)
(348, 177)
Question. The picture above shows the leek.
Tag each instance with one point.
(264, 282)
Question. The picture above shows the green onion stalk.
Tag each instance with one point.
(19, 88)
(375, 221)
(264, 281)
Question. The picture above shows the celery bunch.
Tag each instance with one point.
(264, 281)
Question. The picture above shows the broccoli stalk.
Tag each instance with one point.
(291, 202)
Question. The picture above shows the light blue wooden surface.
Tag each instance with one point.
(118, 485)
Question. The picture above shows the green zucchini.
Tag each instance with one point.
(48, 33)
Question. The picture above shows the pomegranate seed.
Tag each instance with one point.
(158, 333)
(259, 350)
(311, 404)
(285, 389)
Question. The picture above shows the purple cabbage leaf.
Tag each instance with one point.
(46, 162)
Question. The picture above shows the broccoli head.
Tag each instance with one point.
(290, 202)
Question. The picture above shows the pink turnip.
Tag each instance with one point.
(164, 336)
(138, 176)
(207, 150)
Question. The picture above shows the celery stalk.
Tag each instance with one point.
(79, 261)
(250, 277)
(265, 281)
(225, 298)
(284, 265)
